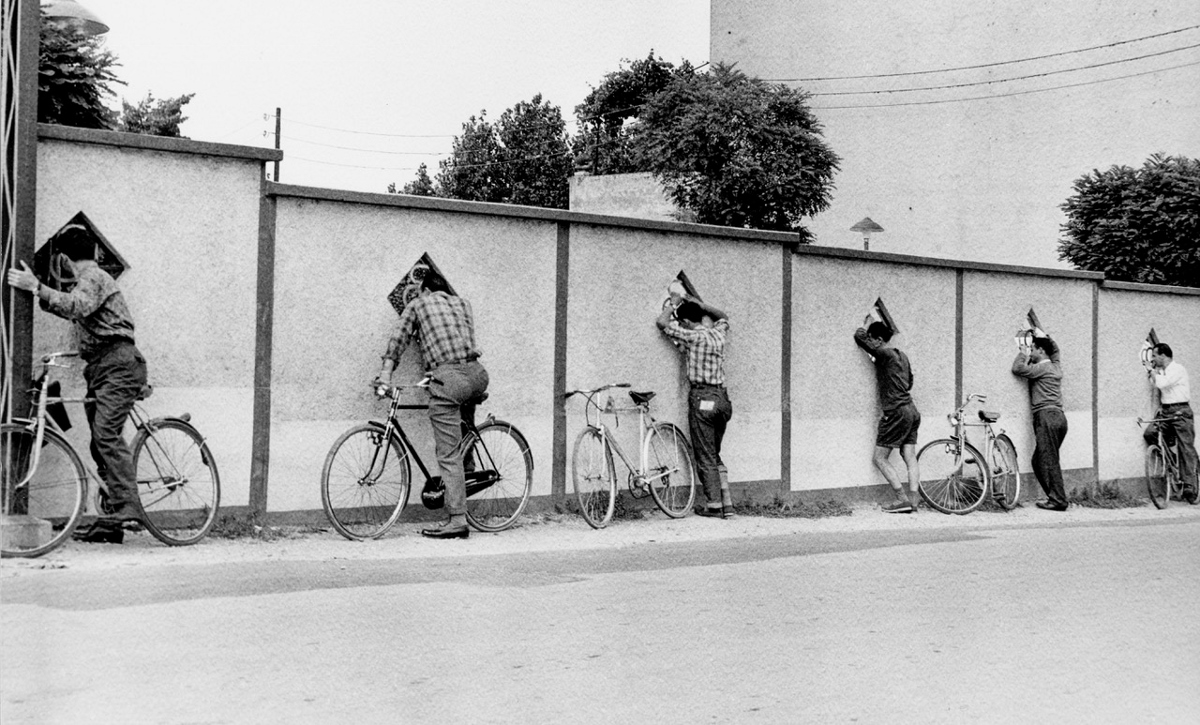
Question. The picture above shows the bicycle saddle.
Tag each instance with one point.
(989, 416)
(641, 398)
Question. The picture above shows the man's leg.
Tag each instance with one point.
(115, 380)
(908, 452)
(702, 425)
(455, 384)
(1050, 429)
(1185, 435)
(880, 458)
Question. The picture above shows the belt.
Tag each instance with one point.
(717, 386)
(461, 361)
(103, 347)
(1184, 404)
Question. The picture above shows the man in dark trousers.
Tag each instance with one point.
(1039, 363)
(446, 328)
(900, 419)
(1174, 397)
(700, 330)
(115, 371)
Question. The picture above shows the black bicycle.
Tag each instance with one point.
(367, 476)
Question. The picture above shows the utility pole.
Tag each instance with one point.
(278, 124)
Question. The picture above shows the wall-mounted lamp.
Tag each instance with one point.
(867, 227)
(72, 13)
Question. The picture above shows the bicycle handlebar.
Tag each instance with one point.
(602, 388)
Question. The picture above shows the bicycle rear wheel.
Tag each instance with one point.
(499, 473)
(40, 515)
(670, 470)
(177, 482)
(365, 482)
(1006, 479)
(1158, 482)
(595, 477)
(953, 476)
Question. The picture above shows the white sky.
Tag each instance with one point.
(394, 67)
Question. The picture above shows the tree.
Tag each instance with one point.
(153, 117)
(604, 144)
(420, 186)
(1137, 225)
(521, 159)
(736, 150)
(74, 74)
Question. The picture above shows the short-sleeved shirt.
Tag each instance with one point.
(96, 306)
(893, 372)
(705, 348)
(444, 325)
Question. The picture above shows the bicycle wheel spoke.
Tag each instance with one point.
(499, 469)
(594, 477)
(365, 483)
(952, 478)
(670, 472)
(1158, 483)
(178, 483)
(41, 513)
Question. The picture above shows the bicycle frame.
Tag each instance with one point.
(645, 422)
(959, 422)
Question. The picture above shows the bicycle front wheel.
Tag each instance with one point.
(40, 515)
(670, 470)
(177, 482)
(953, 476)
(1006, 479)
(365, 482)
(1158, 482)
(499, 473)
(595, 478)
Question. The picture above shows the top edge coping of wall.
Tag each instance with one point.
(155, 143)
(1113, 284)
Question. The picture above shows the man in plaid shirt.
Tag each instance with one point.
(445, 326)
(700, 330)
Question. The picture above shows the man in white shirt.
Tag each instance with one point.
(1174, 396)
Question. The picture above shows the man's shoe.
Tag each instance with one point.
(899, 507)
(710, 513)
(1048, 506)
(447, 532)
(100, 532)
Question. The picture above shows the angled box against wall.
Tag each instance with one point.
(409, 287)
(106, 255)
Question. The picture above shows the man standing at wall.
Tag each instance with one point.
(1174, 396)
(900, 419)
(446, 328)
(1039, 364)
(115, 371)
(701, 330)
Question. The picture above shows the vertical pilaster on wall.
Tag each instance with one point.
(264, 322)
(18, 134)
(558, 473)
(1096, 381)
(958, 337)
(785, 375)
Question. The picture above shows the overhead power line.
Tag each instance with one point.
(1006, 95)
(1008, 80)
(355, 148)
(982, 65)
(368, 133)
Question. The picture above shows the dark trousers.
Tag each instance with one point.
(1181, 429)
(115, 377)
(454, 385)
(709, 410)
(1049, 430)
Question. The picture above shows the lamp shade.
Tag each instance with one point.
(73, 13)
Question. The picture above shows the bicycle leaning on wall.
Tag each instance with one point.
(367, 475)
(666, 470)
(956, 476)
(45, 483)
(1164, 480)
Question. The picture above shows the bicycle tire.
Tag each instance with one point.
(670, 469)
(177, 482)
(497, 506)
(1005, 476)
(953, 477)
(595, 478)
(55, 494)
(363, 495)
(1158, 480)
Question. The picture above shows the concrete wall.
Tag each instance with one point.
(185, 216)
(629, 195)
(262, 310)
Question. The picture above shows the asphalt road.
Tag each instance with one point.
(1081, 622)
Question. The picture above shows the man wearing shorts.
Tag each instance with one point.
(900, 419)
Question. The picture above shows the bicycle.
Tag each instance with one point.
(954, 479)
(45, 483)
(367, 476)
(666, 469)
(1164, 480)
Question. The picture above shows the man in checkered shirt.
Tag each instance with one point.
(700, 331)
(446, 329)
